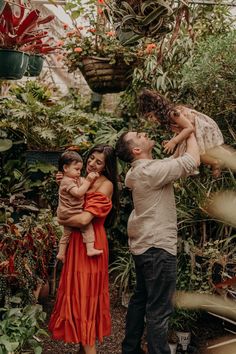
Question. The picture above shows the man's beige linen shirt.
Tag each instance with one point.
(153, 221)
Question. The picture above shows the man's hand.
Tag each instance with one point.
(169, 146)
(92, 176)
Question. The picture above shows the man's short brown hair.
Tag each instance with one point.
(124, 148)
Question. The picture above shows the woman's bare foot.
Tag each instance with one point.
(61, 257)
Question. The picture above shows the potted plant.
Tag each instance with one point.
(180, 327)
(17, 31)
(37, 52)
(26, 251)
(147, 18)
(94, 49)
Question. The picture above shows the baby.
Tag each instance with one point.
(72, 190)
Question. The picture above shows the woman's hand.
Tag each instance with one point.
(169, 146)
(59, 176)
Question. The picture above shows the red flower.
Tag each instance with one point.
(101, 1)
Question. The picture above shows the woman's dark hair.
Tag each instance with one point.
(110, 172)
(153, 102)
(67, 158)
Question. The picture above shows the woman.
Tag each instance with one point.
(82, 310)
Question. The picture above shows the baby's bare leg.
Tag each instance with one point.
(213, 162)
(88, 239)
(63, 244)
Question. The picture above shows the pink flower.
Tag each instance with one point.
(78, 50)
(60, 43)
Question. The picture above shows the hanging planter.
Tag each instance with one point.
(35, 65)
(104, 77)
(13, 64)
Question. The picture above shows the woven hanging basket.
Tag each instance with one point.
(103, 77)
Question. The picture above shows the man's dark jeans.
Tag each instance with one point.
(153, 296)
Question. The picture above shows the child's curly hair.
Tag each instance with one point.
(153, 102)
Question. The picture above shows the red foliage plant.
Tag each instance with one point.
(24, 31)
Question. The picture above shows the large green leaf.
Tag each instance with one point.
(5, 144)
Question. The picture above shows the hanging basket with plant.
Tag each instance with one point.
(18, 32)
(35, 65)
(147, 18)
(94, 49)
(105, 77)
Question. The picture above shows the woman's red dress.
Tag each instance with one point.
(82, 310)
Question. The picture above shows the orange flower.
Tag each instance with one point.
(92, 30)
(101, 1)
(111, 33)
(150, 48)
(78, 50)
(100, 11)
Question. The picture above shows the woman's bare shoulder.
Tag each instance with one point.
(106, 187)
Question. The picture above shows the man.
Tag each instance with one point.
(152, 232)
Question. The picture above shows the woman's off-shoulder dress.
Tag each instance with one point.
(82, 310)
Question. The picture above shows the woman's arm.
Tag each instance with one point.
(84, 218)
(78, 220)
(186, 129)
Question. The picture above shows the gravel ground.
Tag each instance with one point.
(208, 331)
(111, 344)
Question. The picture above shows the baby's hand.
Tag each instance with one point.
(169, 146)
(92, 176)
(59, 176)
